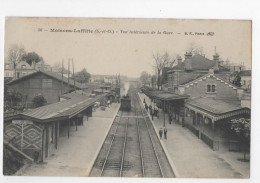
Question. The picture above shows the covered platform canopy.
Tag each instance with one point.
(62, 110)
(162, 95)
(215, 109)
(167, 98)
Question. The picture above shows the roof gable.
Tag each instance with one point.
(49, 74)
(200, 79)
(19, 65)
(196, 62)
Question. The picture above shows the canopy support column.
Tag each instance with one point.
(76, 121)
(69, 128)
(163, 113)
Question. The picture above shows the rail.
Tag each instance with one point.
(140, 145)
(157, 159)
(104, 164)
(123, 155)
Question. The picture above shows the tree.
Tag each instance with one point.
(237, 81)
(82, 76)
(15, 55)
(32, 57)
(242, 128)
(153, 80)
(39, 101)
(58, 68)
(145, 78)
(195, 49)
(168, 65)
(160, 62)
(12, 98)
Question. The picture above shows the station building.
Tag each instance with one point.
(49, 84)
(199, 97)
(36, 132)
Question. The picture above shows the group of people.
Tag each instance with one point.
(153, 111)
(163, 132)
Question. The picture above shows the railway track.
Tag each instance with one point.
(132, 148)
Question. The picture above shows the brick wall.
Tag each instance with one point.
(222, 90)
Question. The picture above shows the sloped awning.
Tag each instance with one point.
(59, 110)
(215, 109)
(163, 95)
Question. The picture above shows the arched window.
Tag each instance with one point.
(213, 88)
(208, 88)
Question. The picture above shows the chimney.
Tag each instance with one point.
(179, 59)
(216, 57)
(187, 65)
(188, 55)
(216, 66)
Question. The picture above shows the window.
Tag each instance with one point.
(208, 88)
(211, 88)
(46, 83)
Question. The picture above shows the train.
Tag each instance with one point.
(125, 103)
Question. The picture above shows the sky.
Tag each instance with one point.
(117, 51)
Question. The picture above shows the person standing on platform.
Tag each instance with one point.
(152, 113)
(160, 133)
(146, 106)
(165, 133)
(170, 118)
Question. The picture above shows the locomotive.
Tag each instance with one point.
(125, 103)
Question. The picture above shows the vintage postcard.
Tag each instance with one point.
(114, 97)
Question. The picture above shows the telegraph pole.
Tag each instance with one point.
(62, 76)
(68, 74)
(73, 75)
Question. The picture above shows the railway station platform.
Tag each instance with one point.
(76, 156)
(193, 158)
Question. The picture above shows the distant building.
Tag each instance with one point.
(48, 84)
(245, 79)
(41, 66)
(8, 69)
(234, 67)
(110, 79)
(23, 69)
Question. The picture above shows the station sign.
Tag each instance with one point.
(22, 122)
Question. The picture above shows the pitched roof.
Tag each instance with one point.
(198, 62)
(163, 95)
(59, 110)
(188, 77)
(77, 94)
(213, 106)
(54, 75)
(245, 73)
